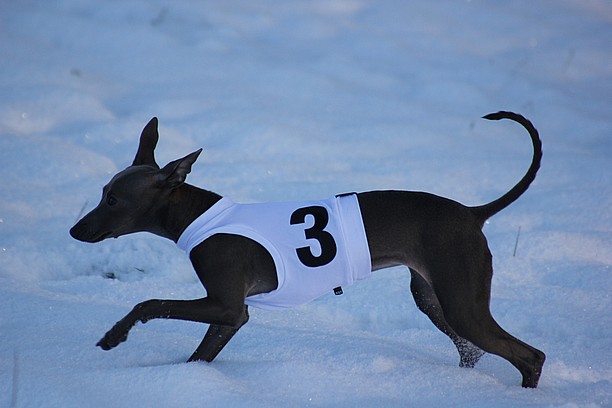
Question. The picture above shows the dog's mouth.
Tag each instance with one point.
(82, 233)
(103, 236)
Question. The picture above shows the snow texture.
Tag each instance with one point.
(295, 100)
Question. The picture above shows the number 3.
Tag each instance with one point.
(317, 231)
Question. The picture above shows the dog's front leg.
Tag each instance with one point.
(215, 339)
(205, 310)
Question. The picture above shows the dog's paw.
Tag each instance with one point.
(112, 339)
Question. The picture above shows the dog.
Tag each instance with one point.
(264, 255)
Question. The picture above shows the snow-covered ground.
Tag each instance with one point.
(297, 100)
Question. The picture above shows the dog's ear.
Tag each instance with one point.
(174, 173)
(146, 148)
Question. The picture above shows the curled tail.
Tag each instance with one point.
(488, 210)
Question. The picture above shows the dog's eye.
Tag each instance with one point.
(111, 200)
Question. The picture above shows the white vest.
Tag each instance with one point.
(316, 245)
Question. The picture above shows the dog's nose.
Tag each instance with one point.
(74, 231)
(80, 231)
(87, 232)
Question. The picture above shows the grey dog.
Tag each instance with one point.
(439, 240)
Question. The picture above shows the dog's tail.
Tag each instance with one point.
(486, 211)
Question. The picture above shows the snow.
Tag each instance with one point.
(298, 100)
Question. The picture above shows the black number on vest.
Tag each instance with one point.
(317, 231)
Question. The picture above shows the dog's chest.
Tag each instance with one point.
(316, 245)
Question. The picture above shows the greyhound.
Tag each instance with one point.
(439, 240)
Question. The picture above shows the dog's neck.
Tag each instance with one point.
(184, 205)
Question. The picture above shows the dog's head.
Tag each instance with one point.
(134, 198)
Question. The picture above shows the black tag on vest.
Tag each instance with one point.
(338, 291)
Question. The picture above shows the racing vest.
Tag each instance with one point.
(316, 246)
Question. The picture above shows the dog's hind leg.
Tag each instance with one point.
(463, 290)
(215, 339)
(428, 303)
(477, 325)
